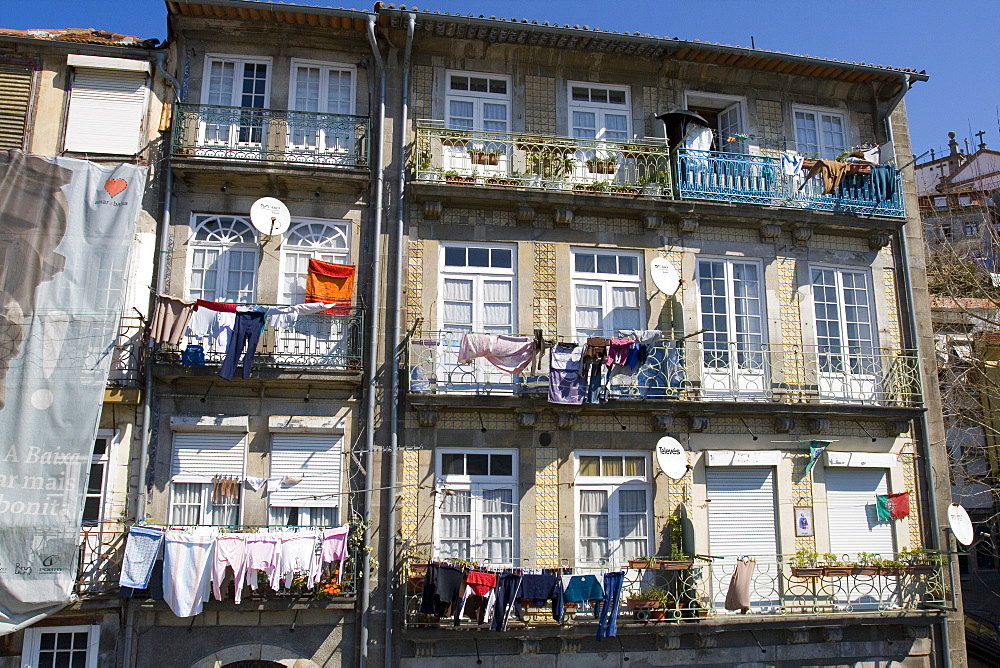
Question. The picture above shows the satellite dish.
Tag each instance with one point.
(671, 457)
(961, 525)
(665, 276)
(270, 216)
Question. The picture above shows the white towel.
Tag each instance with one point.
(791, 163)
(187, 571)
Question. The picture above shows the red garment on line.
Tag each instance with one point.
(215, 306)
(480, 583)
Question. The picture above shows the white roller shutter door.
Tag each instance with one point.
(741, 512)
(315, 458)
(850, 500)
(106, 111)
(198, 457)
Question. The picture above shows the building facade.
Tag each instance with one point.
(540, 186)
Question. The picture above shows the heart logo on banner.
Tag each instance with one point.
(115, 186)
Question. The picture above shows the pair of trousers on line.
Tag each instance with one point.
(246, 334)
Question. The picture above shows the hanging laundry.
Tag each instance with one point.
(883, 178)
(648, 337)
(220, 307)
(832, 172)
(332, 284)
(212, 325)
(254, 483)
(263, 556)
(286, 317)
(333, 549)
(478, 590)
(141, 550)
(170, 318)
(507, 592)
(187, 571)
(225, 488)
(246, 335)
(738, 596)
(581, 588)
(567, 384)
(791, 163)
(607, 623)
(230, 551)
(507, 353)
(618, 352)
(541, 588)
(892, 506)
(441, 589)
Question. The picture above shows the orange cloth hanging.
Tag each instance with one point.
(329, 283)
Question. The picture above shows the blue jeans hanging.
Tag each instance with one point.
(607, 625)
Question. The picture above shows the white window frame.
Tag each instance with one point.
(325, 67)
(476, 485)
(320, 140)
(607, 282)
(340, 229)
(739, 102)
(479, 275)
(31, 647)
(825, 152)
(205, 500)
(742, 368)
(231, 135)
(458, 156)
(107, 480)
(477, 98)
(237, 93)
(600, 109)
(612, 485)
(222, 272)
(854, 376)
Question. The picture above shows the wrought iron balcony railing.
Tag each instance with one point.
(523, 160)
(102, 549)
(318, 341)
(272, 135)
(695, 371)
(757, 179)
(673, 591)
(127, 363)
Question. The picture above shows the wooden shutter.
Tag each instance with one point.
(741, 512)
(316, 458)
(14, 102)
(106, 111)
(850, 501)
(198, 457)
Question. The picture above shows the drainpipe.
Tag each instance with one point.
(147, 398)
(397, 317)
(921, 425)
(366, 584)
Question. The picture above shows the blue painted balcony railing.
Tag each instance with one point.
(695, 371)
(758, 179)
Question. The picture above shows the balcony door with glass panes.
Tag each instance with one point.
(607, 292)
(613, 509)
(478, 296)
(317, 334)
(234, 113)
(477, 118)
(734, 360)
(222, 259)
(321, 124)
(849, 367)
(599, 119)
(476, 519)
(819, 134)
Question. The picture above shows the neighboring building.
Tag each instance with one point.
(98, 96)
(539, 200)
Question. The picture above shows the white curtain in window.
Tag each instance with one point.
(498, 525)
(456, 525)
(593, 524)
(457, 302)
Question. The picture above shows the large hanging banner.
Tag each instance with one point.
(66, 228)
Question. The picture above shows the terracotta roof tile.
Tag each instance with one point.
(81, 36)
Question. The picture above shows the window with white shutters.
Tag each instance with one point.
(476, 512)
(197, 458)
(14, 104)
(107, 111)
(310, 466)
(614, 506)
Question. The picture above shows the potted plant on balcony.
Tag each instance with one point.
(646, 600)
(654, 184)
(866, 564)
(596, 187)
(835, 568)
(678, 559)
(641, 562)
(917, 561)
(805, 564)
(503, 181)
(452, 176)
(481, 153)
(602, 163)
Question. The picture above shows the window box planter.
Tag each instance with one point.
(624, 191)
(838, 571)
(458, 178)
(638, 563)
(920, 569)
(673, 565)
(501, 182)
(642, 604)
(585, 188)
(807, 571)
(868, 571)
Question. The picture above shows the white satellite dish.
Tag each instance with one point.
(665, 276)
(961, 525)
(270, 216)
(671, 457)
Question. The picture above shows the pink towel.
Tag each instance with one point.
(507, 353)
(618, 352)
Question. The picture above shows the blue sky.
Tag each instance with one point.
(956, 42)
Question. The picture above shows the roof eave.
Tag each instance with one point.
(173, 7)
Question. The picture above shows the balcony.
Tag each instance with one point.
(321, 341)
(539, 162)
(242, 134)
(127, 362)
(102, 548)
(696, 590)
(698, 372)
(757, 179)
